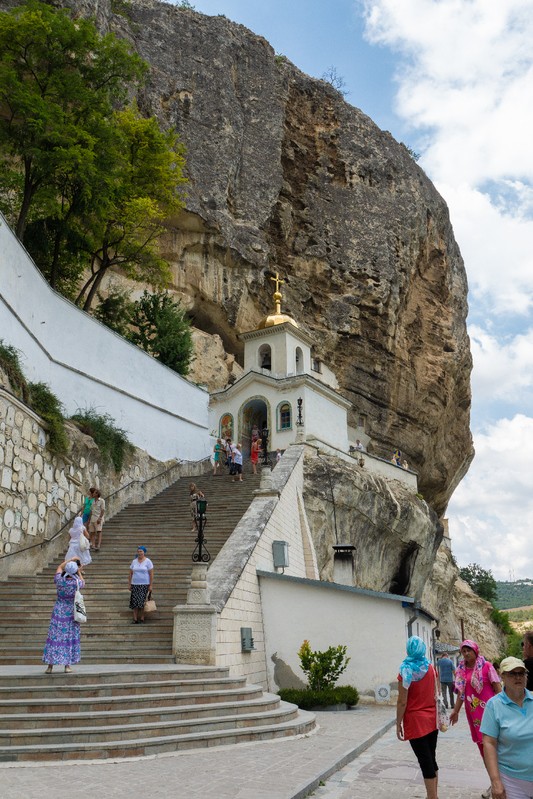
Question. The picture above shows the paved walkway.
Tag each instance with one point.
(388, 770)
(372, 764)
(283, 769)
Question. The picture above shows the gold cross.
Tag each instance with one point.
(277, 280)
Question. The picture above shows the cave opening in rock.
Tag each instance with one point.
(402, 578)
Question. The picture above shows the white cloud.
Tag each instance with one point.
(491, 513)
(464, 78)
(503, 369)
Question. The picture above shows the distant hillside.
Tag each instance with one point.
(517, 594)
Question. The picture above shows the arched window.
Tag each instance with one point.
(284, 416)
(299, 361)
(264, 354)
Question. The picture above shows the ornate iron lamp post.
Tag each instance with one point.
(300, 418)
(201, 554)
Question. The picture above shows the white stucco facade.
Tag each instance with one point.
(373, 626)
(280, 371)
(89, 366)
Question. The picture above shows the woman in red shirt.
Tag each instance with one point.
(416, 711)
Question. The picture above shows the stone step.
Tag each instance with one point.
(54, 685)
(88, 704)
(116, 674)
(148, 729)
(131, 657)
(302, 723)
(136, 716)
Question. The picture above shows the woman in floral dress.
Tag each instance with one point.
(476, 681)
(63, 643)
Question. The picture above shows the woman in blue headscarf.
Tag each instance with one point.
(416, 710)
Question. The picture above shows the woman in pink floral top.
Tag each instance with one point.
(476, 681)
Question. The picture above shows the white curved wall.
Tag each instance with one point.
(88, 366)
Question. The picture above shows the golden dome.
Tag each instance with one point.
(276, 318)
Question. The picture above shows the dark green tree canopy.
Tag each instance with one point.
(86, 180)
(58, 80)
(161, 328)
(480, 580)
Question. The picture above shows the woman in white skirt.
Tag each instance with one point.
(74, 550)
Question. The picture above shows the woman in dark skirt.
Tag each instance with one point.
(141, 579)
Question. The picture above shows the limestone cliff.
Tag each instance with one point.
(395, 534)
(284, 173)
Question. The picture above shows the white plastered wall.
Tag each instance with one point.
(276, 519)
(88, 366)
(371, 626)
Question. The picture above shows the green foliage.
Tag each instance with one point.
(59, 83)
(111, 440)
(86, 182)
(49, 408)
(414, 155)
(115, 311)
(514, 594)
(10, 363)
(307, 698)
(501, 619)
(162, 329)
(322, 669)
(143, 169)
(480, 580)
(524, 614)
(185, 4)
(39, 398)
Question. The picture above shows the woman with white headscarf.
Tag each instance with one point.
(77, 531)
(62, 646)
(416, 711)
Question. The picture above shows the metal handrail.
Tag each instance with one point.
(143, 483)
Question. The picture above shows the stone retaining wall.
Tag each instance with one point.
(40, 493)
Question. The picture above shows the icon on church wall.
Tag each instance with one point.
(226, 426)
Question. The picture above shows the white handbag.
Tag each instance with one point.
(80, 614)
(84, 543)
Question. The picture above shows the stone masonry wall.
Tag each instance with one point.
(39, 493)
(273, 515)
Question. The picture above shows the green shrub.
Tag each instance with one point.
(49, 408)
(306, 698)
(323, 669)
(10, 363)
(111, 440)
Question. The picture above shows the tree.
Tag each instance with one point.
(162, 329)
(332, 77)
(480, 580)
(86, 183)
(141, 175)
(115, 311)
(59, 79)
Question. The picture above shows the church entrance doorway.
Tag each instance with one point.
(253, 417)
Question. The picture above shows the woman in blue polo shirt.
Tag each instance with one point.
(507, 728)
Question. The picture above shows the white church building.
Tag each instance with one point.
(284, 389)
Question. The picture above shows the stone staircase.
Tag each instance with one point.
(134, 712)
(127, 697)
(162, 525)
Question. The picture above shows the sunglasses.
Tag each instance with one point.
(516, 673)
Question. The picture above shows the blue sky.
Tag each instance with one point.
(453, 79)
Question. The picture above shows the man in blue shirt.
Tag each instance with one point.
(507, 727)
(447, 678)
